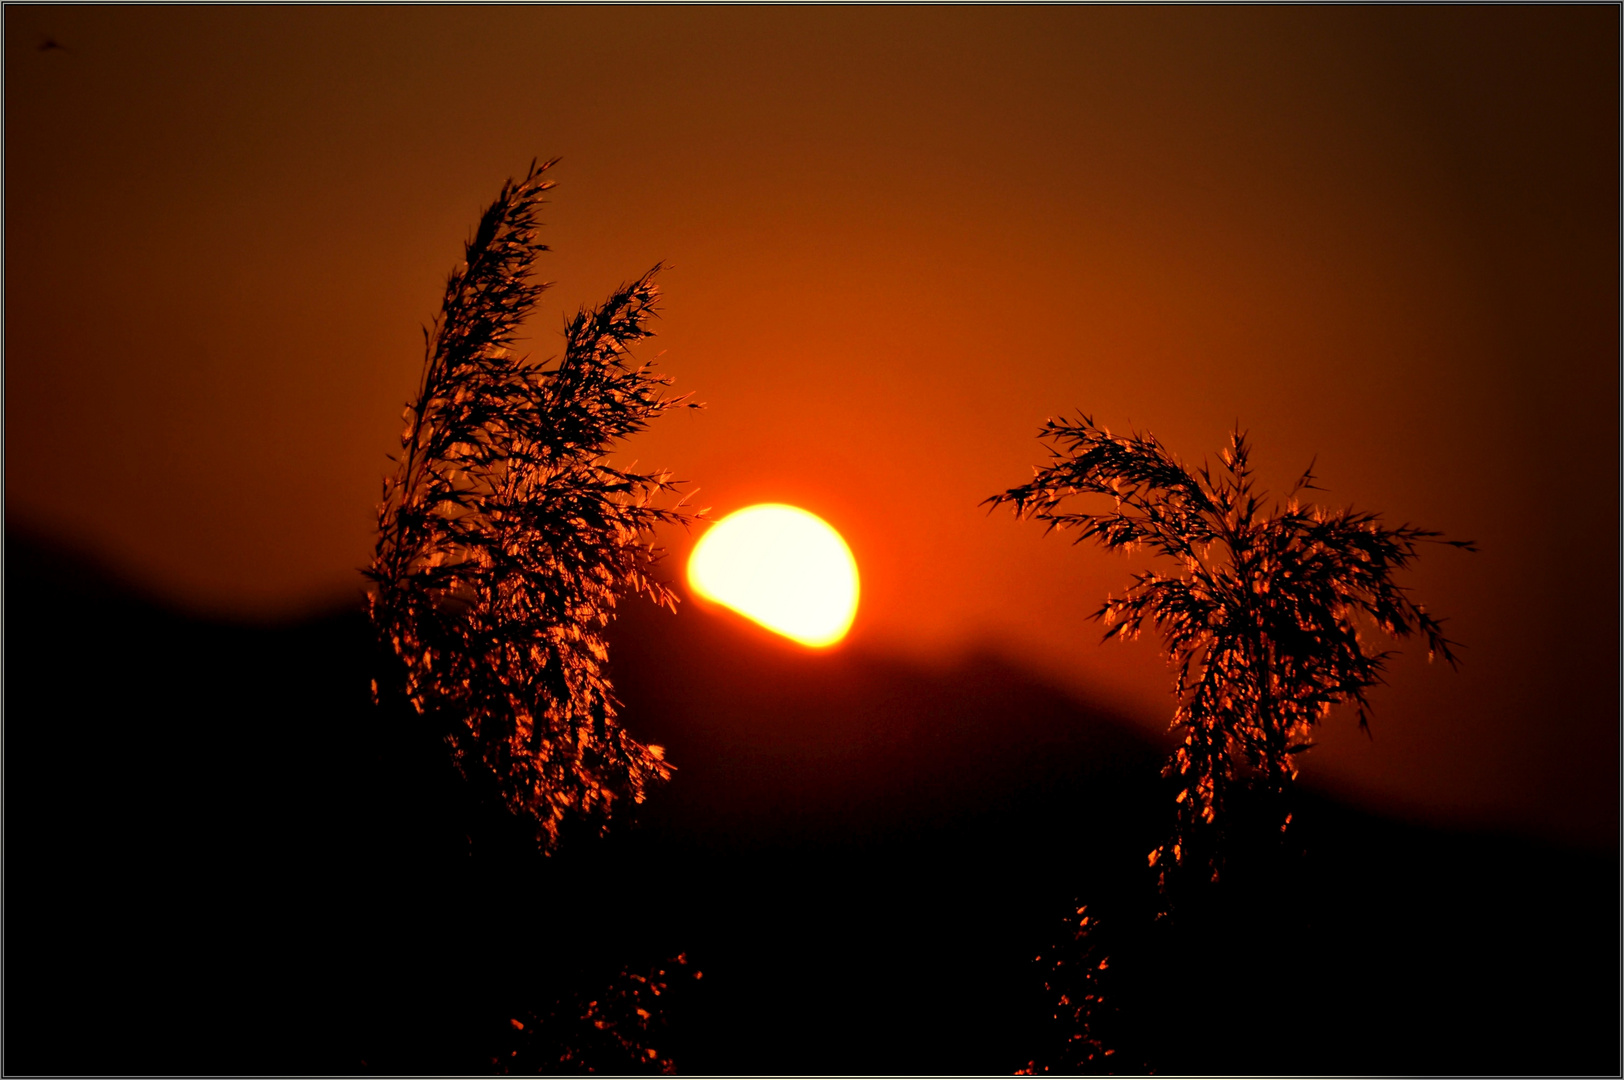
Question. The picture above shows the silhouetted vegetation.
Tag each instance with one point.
(1079, 1034)
(505, 539)
(611, 1029)
(1260, 619)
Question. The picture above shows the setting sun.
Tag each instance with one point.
(782, 567)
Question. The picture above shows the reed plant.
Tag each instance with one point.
(1261, 611)
(506, 538)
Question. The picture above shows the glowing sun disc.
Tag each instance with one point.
(781, 567)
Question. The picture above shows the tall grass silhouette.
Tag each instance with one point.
(1260, 617)
(506, 539)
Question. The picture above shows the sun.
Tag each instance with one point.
(782, 567)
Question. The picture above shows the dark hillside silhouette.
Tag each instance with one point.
(218, 862)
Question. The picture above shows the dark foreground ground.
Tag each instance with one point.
(220, 858)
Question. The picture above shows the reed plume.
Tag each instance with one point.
(506, 539)
(1260, 617)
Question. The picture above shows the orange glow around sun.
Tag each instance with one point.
(781, 567)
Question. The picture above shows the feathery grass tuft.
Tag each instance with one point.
(1260, 617)
(505, 539)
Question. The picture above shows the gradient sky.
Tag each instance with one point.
(899, 239)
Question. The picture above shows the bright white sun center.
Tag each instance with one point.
(782, 567)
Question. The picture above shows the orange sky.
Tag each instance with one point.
(900, 238)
